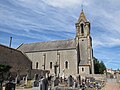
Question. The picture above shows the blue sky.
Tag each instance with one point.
(30, 21)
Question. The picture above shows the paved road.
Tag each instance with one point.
(112, 86)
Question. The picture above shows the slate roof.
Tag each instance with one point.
(84, 62)
(46, 46)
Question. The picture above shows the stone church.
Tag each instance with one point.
(64, 57)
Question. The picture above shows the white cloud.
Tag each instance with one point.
(105, 15)
(106, 41)
(66, 3)
(114, 41)
(99, 15)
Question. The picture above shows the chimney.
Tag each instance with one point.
(10, 41)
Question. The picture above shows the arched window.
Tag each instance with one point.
(66, 64)
(36, 65)
(50, 65)
(83, 69)
(82, 28)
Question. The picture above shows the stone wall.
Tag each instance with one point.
(96, 76)
(84, 69)
(118, 77)
(16, 59)
(60, 57)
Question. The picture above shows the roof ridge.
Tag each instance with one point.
(50, 45)
(10, 48)
(7, 47)
(44, 42)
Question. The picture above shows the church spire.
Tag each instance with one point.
(82, 26)
(82, 17)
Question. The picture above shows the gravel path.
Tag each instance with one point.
(112, 86)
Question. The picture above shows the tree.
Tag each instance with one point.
(102, 67)
(99, 67)
(3, 70)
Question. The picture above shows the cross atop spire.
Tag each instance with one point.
(82, 7)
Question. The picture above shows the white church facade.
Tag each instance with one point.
(68, 57)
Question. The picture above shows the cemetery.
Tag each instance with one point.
(53, 65)
(46, 81)
(54, 83)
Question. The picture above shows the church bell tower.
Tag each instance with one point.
(82, 26)
(84, 45)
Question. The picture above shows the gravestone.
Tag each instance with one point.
(87, 82)
(44, 84)
(79, 80)
(36, 77)
(75, 85)
(40, 85)
(36, 85)
(10, 86)
(26, 79)
(61, 80)
(70, 81)
(52, 81)
(83, 83)
(16, 79)
(56, 81)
